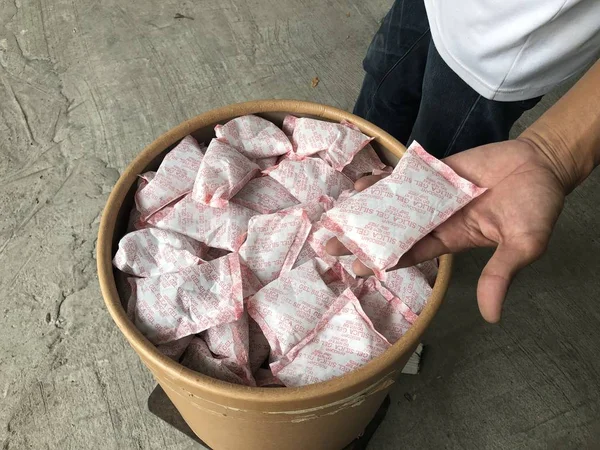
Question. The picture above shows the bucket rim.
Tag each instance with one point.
(368, 375)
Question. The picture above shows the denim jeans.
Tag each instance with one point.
(410, 92)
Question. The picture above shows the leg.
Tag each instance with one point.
(453, 117)
(394, 66)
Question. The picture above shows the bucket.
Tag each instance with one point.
(327, 415)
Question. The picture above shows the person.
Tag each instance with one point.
(455, 75)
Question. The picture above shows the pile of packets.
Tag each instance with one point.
(226, 250)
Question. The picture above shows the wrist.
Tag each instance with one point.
(569, 166)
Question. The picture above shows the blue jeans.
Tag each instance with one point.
(410, 92)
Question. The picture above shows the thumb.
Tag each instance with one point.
(497, 275)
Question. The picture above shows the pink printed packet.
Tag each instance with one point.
(265, 196)
(342, 341)
(175, 349)
(336, 143)
(305, 255)
(410, 285)
(364, 163)
(254, 137)
(430, 270)
(345, 195)
(288, 308)
(250, 283)
(274, 242)
(313, 208)
(135, 217)
(390, 316)
(289, 123)
(223, 173)
(315, 247)
(315, 211)
(223, 228)
(171, 306)
(150, 252)
(310, 179)
(198, 357)
(174, 178)
(231, 340)
(384, 221)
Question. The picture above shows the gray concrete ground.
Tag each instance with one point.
(86, 84)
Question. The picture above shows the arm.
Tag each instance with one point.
(569, 132)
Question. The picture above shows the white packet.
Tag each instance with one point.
(265, 196)
(343, 340)
(174, 178)
(288, 308)
(223, 173)
(389, 315)
(310, 178)
(254, 137)
(274, 242)
(231, 340)
(223, 228)
(198, 357)
(364, 163)
(336, 143)
(150, 252)
(410, 285)
(174, 305)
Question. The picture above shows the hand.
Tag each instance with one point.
(516, 215)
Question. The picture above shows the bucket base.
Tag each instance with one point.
(160, 405)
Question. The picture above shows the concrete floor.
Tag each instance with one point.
(87, 84)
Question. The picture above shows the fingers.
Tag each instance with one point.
(360, 269)
(365, 182)
(453, 236)
(498, 273)
(336, 248)
(427, 248)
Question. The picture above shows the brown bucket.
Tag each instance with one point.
(225, 416)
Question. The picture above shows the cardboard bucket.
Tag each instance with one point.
(225, 416)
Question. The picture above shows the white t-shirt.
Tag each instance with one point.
(510, 50)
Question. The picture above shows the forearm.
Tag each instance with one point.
(569, 132)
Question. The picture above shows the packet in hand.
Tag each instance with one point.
(384, 221)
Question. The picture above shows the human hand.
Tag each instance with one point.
(516, 215)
